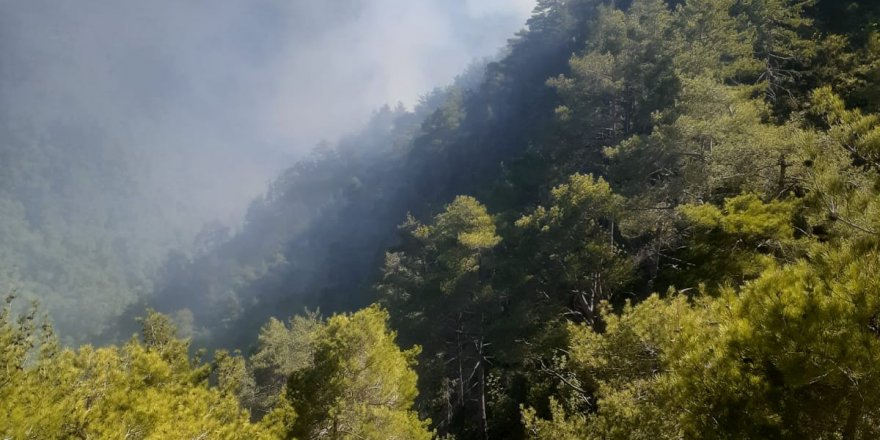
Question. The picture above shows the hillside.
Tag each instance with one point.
(646, 219)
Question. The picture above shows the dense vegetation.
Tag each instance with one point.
(649, 219)
(86, 221)
(86, 255)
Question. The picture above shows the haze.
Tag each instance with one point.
(218, 96)
(127, 127)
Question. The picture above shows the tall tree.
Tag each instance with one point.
(438, 291)
(360, 385)
(575, 257)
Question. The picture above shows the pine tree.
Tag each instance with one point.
(360, 385)
(437, 290)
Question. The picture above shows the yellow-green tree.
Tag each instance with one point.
(282, 349)
(792, 354)
(148, 390)
(360, 385)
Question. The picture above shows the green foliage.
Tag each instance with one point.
(844, 182)
(136, 390)
(436, 287)
(849, 68)
(356, 384)
(574, 254)
(282, 349)
(736, 242)
(770, 226)
(459, 236)
(857, 132)
(360, 385)
(745, 215)
(624, 76)
(234, 379)
(715, 145)
(723, 151)
(714, 39)
(789, 354)
(781, 44)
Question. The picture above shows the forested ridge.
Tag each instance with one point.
(647, 219)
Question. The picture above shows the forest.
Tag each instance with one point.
(646, 219)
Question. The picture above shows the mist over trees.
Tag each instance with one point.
(132, 130)
(646, 219)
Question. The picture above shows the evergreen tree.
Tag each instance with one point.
(360, 385)
(437, 288)
(142, 391)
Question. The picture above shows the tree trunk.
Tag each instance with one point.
(851, 430)
(483, 415)
(460, 366)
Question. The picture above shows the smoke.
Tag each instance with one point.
(218, 95)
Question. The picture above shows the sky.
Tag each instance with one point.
(239, 88)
